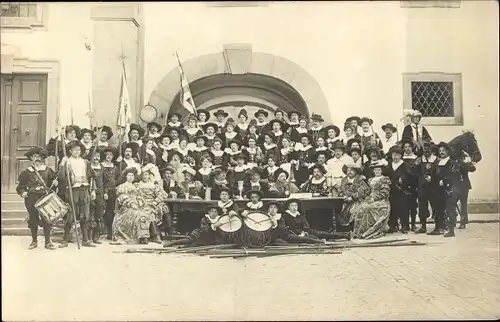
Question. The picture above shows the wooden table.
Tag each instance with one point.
(307, 205)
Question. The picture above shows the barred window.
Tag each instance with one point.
(18, 9)
(437, 96)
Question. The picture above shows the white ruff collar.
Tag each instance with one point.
(278, 133)
(261, 124)
(223, 205)
(304, 148)
(243, 126)
(319, 128)
(321, 148)
(154, 135)
(270, 146)
(198, 149)
(301, 130)
(205, 171)
(409, 156)
(230, 135)
(293, 214)
(318, 181)
(107, 165)
(176, 124)
(212, 221)
(240, 168)
(210, 137)
(271, 170)
(429, 160)
(257, 205)
(231, 152)
(40, 168)
(444, 161)
(275, 217)
(86, 145)
(192, 130)
(217, 153)
(366, 134)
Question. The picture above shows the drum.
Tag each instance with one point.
(229, 231)
(51, 208)
(257, 230)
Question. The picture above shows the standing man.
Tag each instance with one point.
(106, 135)
(220, 117)
(261, 116)
(355, 122)
(135, 134)
(97, 205)
(32, 186)
(416, 131)
(398, 171)
(466, 166)
(427, 186)
(110, 173)
(390, 139)
(316, 126)
(78, 181)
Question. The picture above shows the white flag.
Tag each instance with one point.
(124, 114)
(186, 97)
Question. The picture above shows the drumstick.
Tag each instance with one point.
(255, 221)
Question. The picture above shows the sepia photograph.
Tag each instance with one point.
(250, 160)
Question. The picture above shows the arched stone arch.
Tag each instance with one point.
(166, 93)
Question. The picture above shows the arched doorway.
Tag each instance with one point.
(250, 91)
(253, 79)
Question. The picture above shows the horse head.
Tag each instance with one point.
(468, 143)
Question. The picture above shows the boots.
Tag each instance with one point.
(96, 232)
(34, 237)
(109, 230)
(154, 232)
(48, 242)
(450, 233)
(462, 226)
(85, 236)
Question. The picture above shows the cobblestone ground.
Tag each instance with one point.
(458, 279)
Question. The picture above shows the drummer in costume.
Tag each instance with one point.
(205, 234)
(332, 134)
(413, 163)
(242, 125)
(426, 186)
(228, 206)
(79, 182)
(31, 188)
(269, 146)
(220, 117)
(135, 134)
(390, 139)
(281, 186)
(87, 141)
(110, 173)
(368, 137)
(229, 132)
(304, 154)
(316, 126)
(97, 205)
(174, 121)
(220, 157)
(448, 178)
(398, 172)
(192, 130)
(253, 152)
(254, 182)
(203, 117)
(416, 131)
(255, 203)
(210, 130)
(262, 124)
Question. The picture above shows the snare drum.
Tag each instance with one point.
(257, 230)
(51, 208)
(229, 231)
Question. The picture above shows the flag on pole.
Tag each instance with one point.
(124, 114)
(186, 97)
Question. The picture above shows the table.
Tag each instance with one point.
(307, 204)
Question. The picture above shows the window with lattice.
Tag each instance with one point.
(18, 9)
(434, 99)
(438, 96)
(21, 14)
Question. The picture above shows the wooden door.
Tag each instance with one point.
(24, 106)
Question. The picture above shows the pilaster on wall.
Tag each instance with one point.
(118, 32)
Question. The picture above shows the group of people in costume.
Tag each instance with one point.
(123, 192)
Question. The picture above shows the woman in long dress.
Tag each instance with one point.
(132, 221)
(354, 190)
(372, 216)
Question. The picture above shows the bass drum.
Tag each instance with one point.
(257, 229)
(229, 231)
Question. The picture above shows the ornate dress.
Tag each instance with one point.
(372, 216)
(220, 159)
(154, 200)
(316, 186)
(254, 156)
(132, 220)
(358, 190)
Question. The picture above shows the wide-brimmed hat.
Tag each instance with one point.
(281, 123)
(331, 127)
(407, 140)
(389, 126)
(169, 129)
(130, 145)
(353, 118)
(316, 118)
(168, 168)
(173, 153)
(157, 125)
(240, 156)
(106, 129)
(179, 116)
(351, 141)
(307, 135)
(74, 144)
(366, 119)
(416, 113)
(229, 191)
(202, 137)
(292, 200)
(261, 111)
(221, 112)
(354, 150)
(243, 112)
(347, 126)
(138, 128)
(234, 141)
(294, 112)
(75, 128)
(351, 165)
(319, 167)
(164, 135)
(210, 124)
(396, 149)
(86, 130)
(271, 135)
(379, 164)
(113, 150)
(254, 170)
(36, 150)
(372, 148)
(202, 111)
(275, 203)
(189, 170)
(219, 209)
(277, 173)
(258, 192)
(318, 153)
(98, 151)
(444, 145)
(338, 145)
(148, 138)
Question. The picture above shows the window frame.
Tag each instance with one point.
(455, 78)
(26, 22)
(452, 4)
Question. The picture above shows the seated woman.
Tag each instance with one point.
(132, 222)
(354, 190)
(372, 216)
(282, 187)
(205, 234)
(317, 183)
(154, 200)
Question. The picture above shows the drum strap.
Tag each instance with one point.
(40, 178)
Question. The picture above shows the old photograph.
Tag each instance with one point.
(250, 160)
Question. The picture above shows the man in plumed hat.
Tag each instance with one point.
(416, 131)
(32, 185)
(79, 181)
(106, 135)
(87, 141)
(389, 139)
(135, 134)
(71, 133)
(203, 117)
(154, 130)
(355, 122)
(129, 159)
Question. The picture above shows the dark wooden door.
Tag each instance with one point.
(24, 103)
